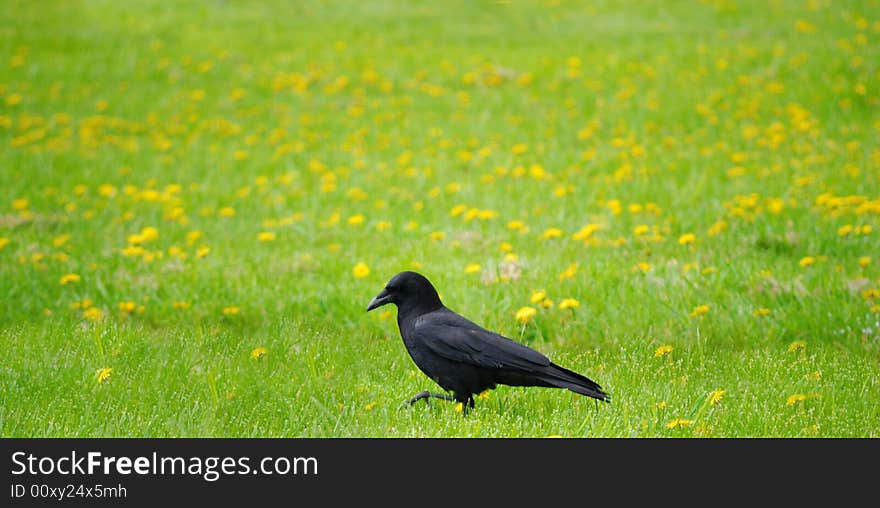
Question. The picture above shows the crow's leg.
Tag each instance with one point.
(466, 401)
(427, 395)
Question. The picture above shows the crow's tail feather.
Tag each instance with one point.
(561, 377)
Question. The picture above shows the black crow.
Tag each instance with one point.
(461, 356)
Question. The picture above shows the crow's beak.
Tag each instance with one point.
(381, 299)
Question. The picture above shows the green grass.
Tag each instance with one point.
(726, 153)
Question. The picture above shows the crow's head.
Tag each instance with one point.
(407, 290)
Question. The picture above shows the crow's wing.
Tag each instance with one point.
(456, 338)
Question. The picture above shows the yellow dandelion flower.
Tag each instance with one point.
(716, 396)
(458, 210)
(569, 272)
(356, 220)
(360, 270)
(202, 252)
(863, 261)
(686, 239)
(641, 230)
(231, 310)
(679, 423)
(127, 307)
(472, 268)
(796, 398)
(643, 267)
(525, 314)
(551, 233)
(807, 261)
(662, 351)
(763, 311)
(266, 236)
(798, 345)
(226, 211)
(4, 241)
(700, 311)
(181, 305)
(103, 374)
(193, 236)
(538, 296)
(437, 235)
(93, 314)
(20, 204)
(149, 234)
(69, 279)
(258, 353)
(717, 228)
(569, 303)
(60, 240)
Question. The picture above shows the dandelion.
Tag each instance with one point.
(258, 353)
(181, 305)
(93, 314)
(716, 396)
(538, 296)
(686, 239)
(472, 268)
(863, 261)
(699, 311)
(569, 272)
(662, 351)
(103, 374)
(437, 235)
(794, 399)
(149, 233)
(356, 220)
(3, 241)
(643, 267)
(202, 252)
(525, 314)
(20, 204)
(69, 278)
(360, 270)
(232, 310)
(798, 345)
(266, 236)
(569, 303)
(60, 240)
(226, 211)
(193, 236)
(679, 423)
(551, 233)
(807, 261)
(717, 228)
(763, 311)
(127, 307)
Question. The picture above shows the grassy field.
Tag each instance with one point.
(679, 199)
